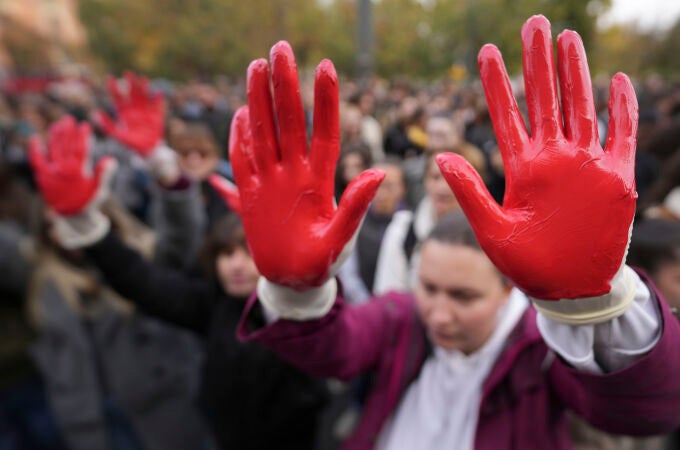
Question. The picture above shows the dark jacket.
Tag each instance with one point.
(251, 398)
(15, 332)
(110, 373)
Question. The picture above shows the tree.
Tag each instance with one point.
(422, 38)
(186, 38)
(467, 25)
(666, 54)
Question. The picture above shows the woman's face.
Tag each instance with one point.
(441, 135)
(236, 272)
(438, 190)
(196, 157)
(351, 121)
(458, 295)
(391, 191)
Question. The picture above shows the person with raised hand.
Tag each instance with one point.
(238, 380)
(178, 212)
(140, 124)
(180, 165)
(140, 112)
(297, 236)
(563, 229)
(82, 325)
(467, 361)
(71, 187)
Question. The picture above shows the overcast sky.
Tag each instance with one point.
(647, 14)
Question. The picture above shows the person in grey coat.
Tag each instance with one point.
(116, 378)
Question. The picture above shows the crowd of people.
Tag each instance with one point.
(148, 305)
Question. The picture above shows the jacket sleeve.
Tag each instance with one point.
(348, 340)
(165, 293)
(15, 264)
(640, 399)
(179, 220)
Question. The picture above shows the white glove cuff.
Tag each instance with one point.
(592, 310)
(287, 303)
(163, 163)
(81, 230)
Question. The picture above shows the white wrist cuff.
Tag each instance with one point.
(81, 230)
(592, 310)
(163, 163)
(287, 303)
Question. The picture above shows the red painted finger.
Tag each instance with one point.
(506, 117)
(353, 205)
(486, 216)
(578, 105)
(241, 149)
(265, 144)
(622, 130)
(228, 191)
(325, 147)
(289, 111)
(540, 79)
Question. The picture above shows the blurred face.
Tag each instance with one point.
(439, 191)
(441, 135)
(352, 166)
(367, 104)
(236, 272)
(351, 121)
(667, 280)
(407, 108)
(458, 295)
(391, 191)
(196, 157)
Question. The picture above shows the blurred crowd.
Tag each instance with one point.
(86, 364)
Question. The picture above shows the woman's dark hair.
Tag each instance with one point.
(194, 131)
(654, 243)
(360, 148)
(225, 236)
(454, 228)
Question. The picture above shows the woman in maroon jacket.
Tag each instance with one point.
(466, 349)
(499, 374)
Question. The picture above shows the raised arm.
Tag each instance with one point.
(166, 293)
(295, 232)
(179, 218)
(298, 237)
(563, 228)
(562, 233)
(74, 190)
(140, 125)
(140, 114)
